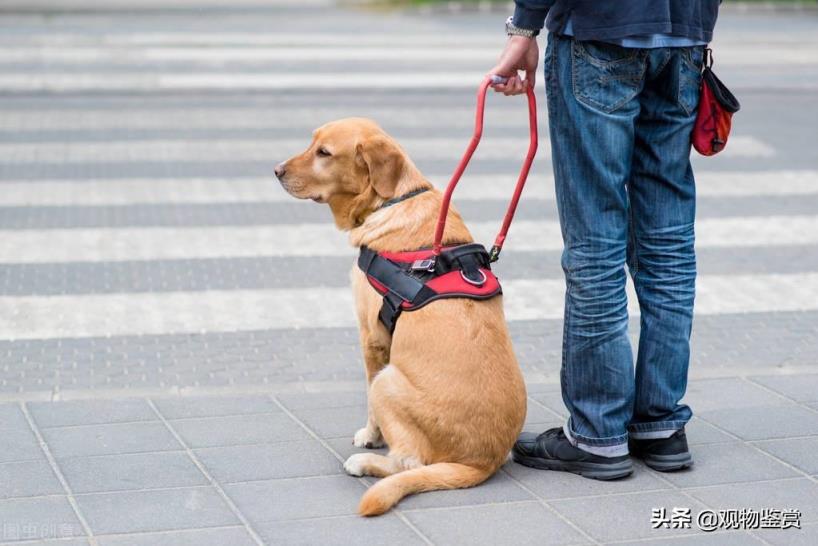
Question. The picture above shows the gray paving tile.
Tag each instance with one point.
(28, 479)
(157, 510)
(519, 523)
(213, 406)
(269, 461)
(38, 518)
(536, 388)
(239, 430)
(552, 400)
(806, 536)
(109, 439)
(727, 463)
(333, 422)
(51, 542)
(765, 422)
(297, 401)
(538, 427)
(89, 412)
(497, 489)
(799, 494)
(624, 517)
(726, 538)
(317, 497)
(537, 414)
(801, 387)
(232, 536)
(11, 418)
(20, 446)
(800, 452)
(699, 432)
(131, 471)
(339, 531)
(723, 393)
(556, 485)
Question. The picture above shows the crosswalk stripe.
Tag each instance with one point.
(226, 81)
(272, 150)
(118, 244)
(336, 39)
(340, 81)
(108, 192)
(433, 54)
(500, 113)
(35, 317)
(284, 39)
(76, 52)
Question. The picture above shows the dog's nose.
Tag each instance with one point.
(280, 170)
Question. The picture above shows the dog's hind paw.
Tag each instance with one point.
(354, 466)
(368, 438)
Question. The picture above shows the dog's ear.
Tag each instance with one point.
(384, 161)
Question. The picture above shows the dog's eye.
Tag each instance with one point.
(323, 152)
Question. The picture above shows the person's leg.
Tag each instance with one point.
(661, 257)
(593, 91)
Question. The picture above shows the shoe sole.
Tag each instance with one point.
(668, 463)
(596, 471)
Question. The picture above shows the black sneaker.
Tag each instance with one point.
(551, 450)
(663, 454)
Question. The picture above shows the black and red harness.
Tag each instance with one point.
(411, 279)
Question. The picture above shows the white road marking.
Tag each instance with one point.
(256, 39)
(351, 51)
(223, 80)
(107, 192)
(41, 317)
(155, 243)
(512, 149)
(272, 150)
(300, 121)
(724, 41)
(141, 191)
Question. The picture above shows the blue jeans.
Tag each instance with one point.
(620, 122)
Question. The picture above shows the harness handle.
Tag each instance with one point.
(464, 161)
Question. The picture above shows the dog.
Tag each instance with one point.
(445, 391)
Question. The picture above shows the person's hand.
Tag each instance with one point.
(520, 53)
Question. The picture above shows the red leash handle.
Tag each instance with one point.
(475, 140)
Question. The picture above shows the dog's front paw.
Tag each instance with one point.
(354, 466)
(368, 438)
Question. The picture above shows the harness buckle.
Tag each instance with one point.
(478, 283)
(424, 265)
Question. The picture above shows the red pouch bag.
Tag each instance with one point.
(716, 108)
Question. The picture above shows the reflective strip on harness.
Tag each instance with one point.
(459, 272)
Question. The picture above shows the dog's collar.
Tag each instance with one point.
(404, 197)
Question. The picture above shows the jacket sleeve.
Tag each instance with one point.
(530, 14)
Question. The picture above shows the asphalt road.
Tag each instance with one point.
(146, 251)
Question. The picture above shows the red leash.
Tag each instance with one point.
(475, 140)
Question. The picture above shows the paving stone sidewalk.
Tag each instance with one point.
(267, 469)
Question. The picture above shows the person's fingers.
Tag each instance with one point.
(511, 85)
(519, 87)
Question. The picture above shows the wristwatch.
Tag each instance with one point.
(512, 30)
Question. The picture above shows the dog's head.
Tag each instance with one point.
(351, 164)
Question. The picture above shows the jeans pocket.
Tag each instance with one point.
(690, 78)
(605, 76)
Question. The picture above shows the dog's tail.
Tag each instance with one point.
(386, 493)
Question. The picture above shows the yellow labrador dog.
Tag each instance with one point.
(445, 391)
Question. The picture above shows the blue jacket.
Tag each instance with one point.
(616, 19)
